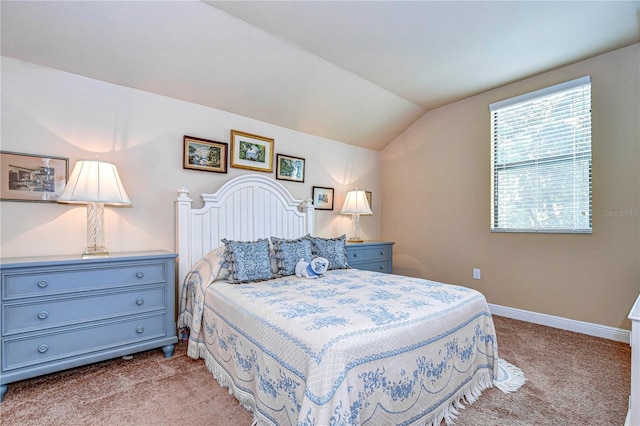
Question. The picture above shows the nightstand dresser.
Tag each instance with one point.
(374, 256)
(62, 312)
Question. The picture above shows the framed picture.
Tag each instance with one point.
(369, 196)
(289, 168)
(29, 177)
(251, 152)
(322, 198)
(205, 155)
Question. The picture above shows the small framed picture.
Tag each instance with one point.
(205, 155)
(251, 152)
(29, 177)
(289, 168)
(322, 198)
(369, 196)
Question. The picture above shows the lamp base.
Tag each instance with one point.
(355, 240)
(95, 231)
(91, 252)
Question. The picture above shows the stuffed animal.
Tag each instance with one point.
(314, 269)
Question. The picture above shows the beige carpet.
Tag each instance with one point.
(572, 379)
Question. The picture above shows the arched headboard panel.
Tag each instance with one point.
(245, 208)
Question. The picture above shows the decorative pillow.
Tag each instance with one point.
(289, 252)
(332, 249)
(247, 261)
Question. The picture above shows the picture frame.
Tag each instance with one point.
(322, 198)
(251, 152)
(204, 154)
(289, 168)
(32, 177)
(369, 196)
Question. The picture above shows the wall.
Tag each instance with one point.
(439, 172)
(49, 112)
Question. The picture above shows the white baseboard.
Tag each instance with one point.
(606, 332)
(627, 422)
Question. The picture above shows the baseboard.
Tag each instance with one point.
(627, 422)
(606, 332)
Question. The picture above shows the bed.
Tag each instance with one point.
(350, 348)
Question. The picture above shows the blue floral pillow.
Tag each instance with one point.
(332, 249)
(289, 252)
(247, 261)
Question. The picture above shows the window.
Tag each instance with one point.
(541, 160)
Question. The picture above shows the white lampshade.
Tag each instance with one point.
(95, 181)
(356, 203)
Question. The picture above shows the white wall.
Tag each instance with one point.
(49, 112)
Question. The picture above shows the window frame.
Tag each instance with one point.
(544, 163)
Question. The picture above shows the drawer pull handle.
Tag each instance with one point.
(139, 274)
(139, 329)
(382, 267)
(43, 315)
(355, 254)
(43, 348)
(42, 284)
(381, 253)
(139, 301)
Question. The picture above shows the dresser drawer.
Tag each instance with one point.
(45, 282)
(27, 351)
(369, 253)
(44, 314)
(375, 266)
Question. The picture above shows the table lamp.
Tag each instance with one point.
(95, 183)
(356, 204)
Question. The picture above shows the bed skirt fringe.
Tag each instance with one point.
(246, 399)
(449, 413)
(185, 320)
(510, 379)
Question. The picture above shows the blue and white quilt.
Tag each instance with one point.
(352, 348)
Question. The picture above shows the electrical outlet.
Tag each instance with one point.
(476, 274)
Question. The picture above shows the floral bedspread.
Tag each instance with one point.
(352, 348)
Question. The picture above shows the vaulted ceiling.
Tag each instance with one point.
(358, 72)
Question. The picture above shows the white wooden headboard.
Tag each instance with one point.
(245, 208)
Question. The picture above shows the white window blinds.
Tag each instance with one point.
(541, 160)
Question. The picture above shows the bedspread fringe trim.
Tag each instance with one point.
(185, 319)
(449, 413)
(510, 378)
(246, 399)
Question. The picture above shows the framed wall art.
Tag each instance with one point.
(251, 152)
(30, 177)
(205, 155)
(369, 196)
(289, 168)
(322, 198)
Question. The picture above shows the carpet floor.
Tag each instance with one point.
(572, 379)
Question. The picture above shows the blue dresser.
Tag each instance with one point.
(374, 256)
(62, 312)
